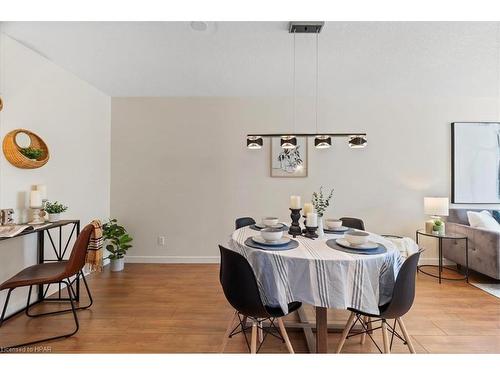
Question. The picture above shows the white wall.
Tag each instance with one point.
(180, 166)
(74, 120)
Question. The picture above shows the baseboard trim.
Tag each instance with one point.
(216, 259)
(171, 259)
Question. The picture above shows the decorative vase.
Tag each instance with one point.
(321, 232)
(54, 217)
(117, 265)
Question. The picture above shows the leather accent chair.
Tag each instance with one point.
(53, 273)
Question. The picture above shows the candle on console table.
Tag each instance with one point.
(308, 208)
(295, 202)
(312, 219)
(43, 191)
(35, 199)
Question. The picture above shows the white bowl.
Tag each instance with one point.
(357, 237)
(333, 223)
(270, 234)
(270, 221)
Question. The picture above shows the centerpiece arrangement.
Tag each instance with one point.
(320, 203)
(313, 214)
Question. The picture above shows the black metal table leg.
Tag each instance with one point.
(440, 251)
(41, 258)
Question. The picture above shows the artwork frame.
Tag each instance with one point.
(475, 164)
(278, 169)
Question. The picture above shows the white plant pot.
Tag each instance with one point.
(117, 265)
(54, 217)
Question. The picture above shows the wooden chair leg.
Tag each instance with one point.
(260, 333)
(385, 337)
(253, 345)
(406, 335)
(346, 331)
(366, 320)
(230, 327)
(285, 336)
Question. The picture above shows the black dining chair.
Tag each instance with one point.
(403, 295)
(241, 291)
(353, 222)
(243, 222)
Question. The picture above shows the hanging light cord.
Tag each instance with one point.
(294, 84)
(317, 78)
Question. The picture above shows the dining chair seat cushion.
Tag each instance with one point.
(45, 273)
(381, 309)
(277, 312)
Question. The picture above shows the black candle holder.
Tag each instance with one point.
(305, 224)
(295, 229)
(311, 232)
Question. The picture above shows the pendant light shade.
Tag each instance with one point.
(254, 142)
(288, 141)
(322, 141)
(357, 141)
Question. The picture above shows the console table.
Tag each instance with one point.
(59, 247)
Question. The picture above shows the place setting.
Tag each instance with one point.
(356, 242)
(271, 238)
(334, 226)
(269, 222)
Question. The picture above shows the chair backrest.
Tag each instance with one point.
(243, 222)
(403, 293)
(76, 260)
(353, 222)
(239, 284)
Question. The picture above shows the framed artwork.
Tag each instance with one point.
(289, 162)
(475, 155)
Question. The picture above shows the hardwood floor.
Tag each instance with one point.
(174, 308)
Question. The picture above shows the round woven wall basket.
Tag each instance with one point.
(12, 150)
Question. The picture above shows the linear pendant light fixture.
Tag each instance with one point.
(321, 140)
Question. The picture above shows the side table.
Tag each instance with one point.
(440, 238)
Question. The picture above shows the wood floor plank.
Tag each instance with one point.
(180, 308)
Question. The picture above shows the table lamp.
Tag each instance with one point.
(435, 207)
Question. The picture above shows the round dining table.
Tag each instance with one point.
(314, 273)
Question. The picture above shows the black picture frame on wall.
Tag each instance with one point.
(454, 164)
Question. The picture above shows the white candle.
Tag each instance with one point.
(295, 202)
(312, 219)
(43, 191)
(35, 199)
(308, 208)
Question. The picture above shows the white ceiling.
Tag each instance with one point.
(255, 58)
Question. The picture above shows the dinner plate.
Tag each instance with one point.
(337, 230)
(282, 241)
(262, 226)
(366, 246)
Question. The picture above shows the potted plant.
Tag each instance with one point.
(32, 153)
(438, 227)
(118, 242)
(54, 209)
(321, 203)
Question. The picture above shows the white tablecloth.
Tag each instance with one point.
(318, 275)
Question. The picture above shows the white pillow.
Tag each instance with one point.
(483, 220)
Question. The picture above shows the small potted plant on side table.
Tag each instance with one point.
(438, 228)
(55, 209)
(118, 242)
